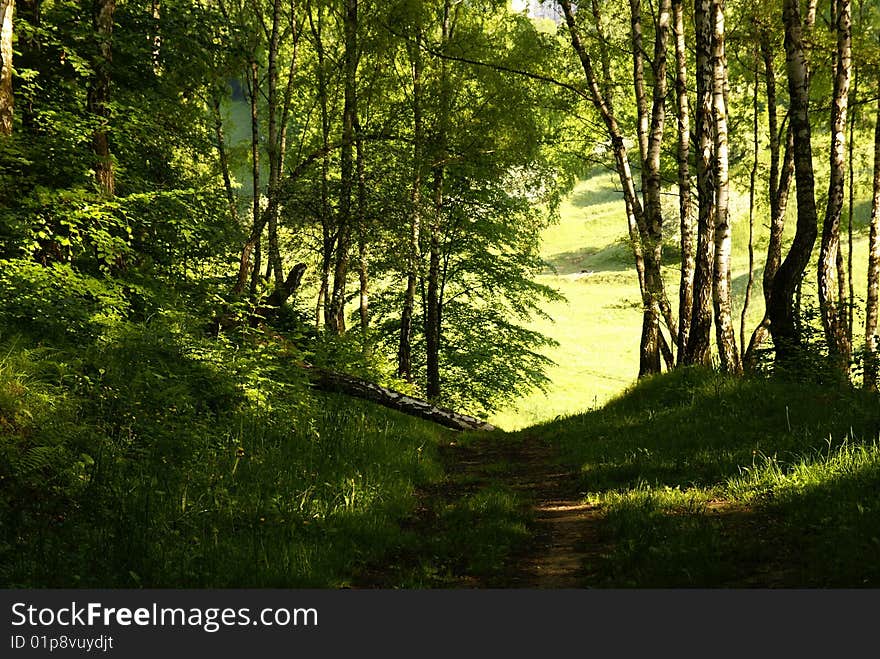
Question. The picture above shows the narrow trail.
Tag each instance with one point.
(559, 548)
(566, 542)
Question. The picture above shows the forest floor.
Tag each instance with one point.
(564, 540)
(561, 540)
(568, 543)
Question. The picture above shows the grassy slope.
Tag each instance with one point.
(159, 459)
(708, 481)
(598, 327)
(703, 480)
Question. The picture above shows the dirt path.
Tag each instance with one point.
(557, 546)
(558, 540)
(566, 542)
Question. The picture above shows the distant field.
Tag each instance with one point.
(598, 327)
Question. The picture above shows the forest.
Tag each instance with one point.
(439, 293)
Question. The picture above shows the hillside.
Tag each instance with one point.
(157, 457)
(597, 327)
(188, 460)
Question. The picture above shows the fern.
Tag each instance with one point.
(36, 458)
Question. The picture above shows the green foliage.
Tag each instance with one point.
(476, 372)
(58, 303)
(156, 458)
(810, 363)
(163, 456)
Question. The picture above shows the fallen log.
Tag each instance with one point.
(333, 382)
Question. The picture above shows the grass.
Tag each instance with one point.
(142, 454)
(598, 326)
(159, 460)
(466, 540)
(706, 480)
(468, 528)
(703, 480)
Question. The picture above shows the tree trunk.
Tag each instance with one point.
(783, 325)
(279, 296)
(607, 85)
(778, 188)
(404, 352)
(653, 238)
(753, 175)
(636, 41)
(223, 157)
(607, 88)
(7, 10)
(363, 272)
(686, 284)
(287, 103)
(274, 146)
(851, 206)
(433, 333)
(432, 302)
(328, 233)
(636, 246)
(725, 335)
(256, 186)
(649, 350)
(277, 145)
(871, 338)
(363, 282)
(650, 124)
(699, 342)
(352, 386)
(834, 314)
(256, 271)
(349, 117)
(98, 100)
(253, 242)
(328, 246)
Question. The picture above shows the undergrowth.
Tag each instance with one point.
(154, 456)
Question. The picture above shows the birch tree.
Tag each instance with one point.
(7, 10)
(725, 334)
(349, 119)
(834, 311)
(687, 246)
(699, 339)
(783, 327)
(781, 171)
(653, 293)
(871, 304)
